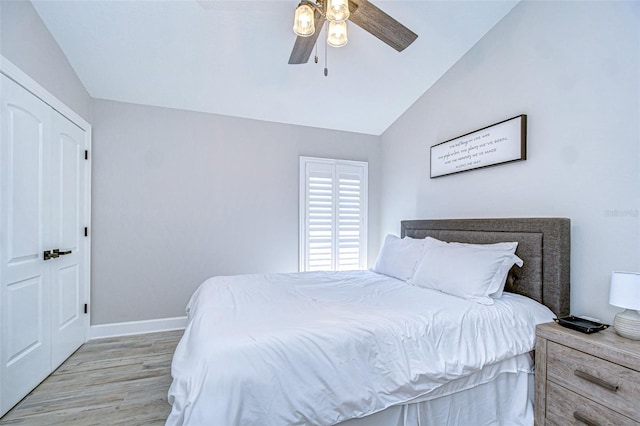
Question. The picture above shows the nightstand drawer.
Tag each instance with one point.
(610, 384)
(568, 408)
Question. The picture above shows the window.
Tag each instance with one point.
(333, 214)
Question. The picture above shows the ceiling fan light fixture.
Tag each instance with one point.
(337, 34)
(337, 10)
(304, 24)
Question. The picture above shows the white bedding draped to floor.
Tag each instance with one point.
(323, 347)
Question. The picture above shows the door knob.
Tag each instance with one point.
(54, 254)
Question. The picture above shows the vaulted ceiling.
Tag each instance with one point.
(230, 57)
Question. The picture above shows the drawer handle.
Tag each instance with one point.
(587, 421)
(596, 380)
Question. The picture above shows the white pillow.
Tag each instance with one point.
(508, 246)
(471, 271)
(398, 257)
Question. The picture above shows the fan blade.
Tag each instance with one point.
(304, 45)
(373, 20)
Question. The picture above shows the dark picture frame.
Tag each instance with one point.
(499, 143)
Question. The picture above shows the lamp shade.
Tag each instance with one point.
(338, 10)
(337, 36)
(304, 24)
(625, 290)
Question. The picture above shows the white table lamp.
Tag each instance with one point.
(625, 293)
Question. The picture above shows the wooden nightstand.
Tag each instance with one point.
(591, 379)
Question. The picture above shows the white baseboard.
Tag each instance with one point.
(137, 327)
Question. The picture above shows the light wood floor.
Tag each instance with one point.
(115, 381)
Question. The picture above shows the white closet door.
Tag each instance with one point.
(44, 198)
(67, 218)
(25, 353)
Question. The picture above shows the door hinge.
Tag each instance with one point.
(86, 154)
(86, 231)
(86, 308)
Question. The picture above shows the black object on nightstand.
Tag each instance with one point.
(581, 324)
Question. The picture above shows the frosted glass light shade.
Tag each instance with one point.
(337, 10)
(304, 24)
(337, 36)
(625, 293)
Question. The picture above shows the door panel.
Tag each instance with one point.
(68, 297)
(26, 359)
(24, 319)
(68, 167)
(25, 132)
(25, 353)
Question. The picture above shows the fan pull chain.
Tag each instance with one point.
(315, 58)
(326, 66)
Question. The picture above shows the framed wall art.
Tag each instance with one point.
(498, 143)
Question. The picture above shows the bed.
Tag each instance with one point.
(361, 348)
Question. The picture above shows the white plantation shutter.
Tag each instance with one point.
(319, 231)
(333, 214)
(350, 213)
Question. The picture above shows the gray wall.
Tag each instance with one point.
(573, 68)
(28, 44)
(181, 196)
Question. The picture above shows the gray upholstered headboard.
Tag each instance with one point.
(544, 244)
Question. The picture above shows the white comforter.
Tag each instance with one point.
(321, 348)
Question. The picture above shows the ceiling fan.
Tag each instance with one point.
(311, 16)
